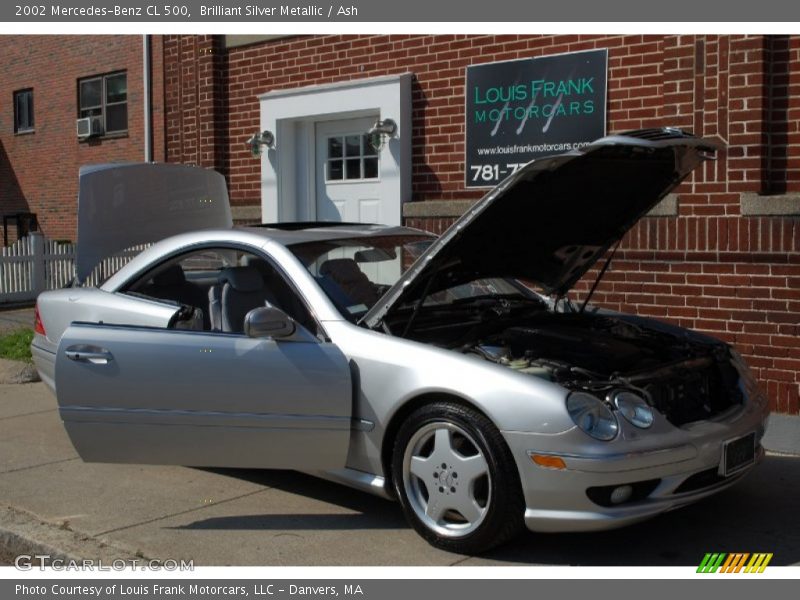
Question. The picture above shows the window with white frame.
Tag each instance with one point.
(351, 157)
(105, 96)
(23, 111)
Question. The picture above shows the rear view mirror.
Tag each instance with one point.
(268, 321)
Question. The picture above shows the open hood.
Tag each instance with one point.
(549, 222)
(122, 205)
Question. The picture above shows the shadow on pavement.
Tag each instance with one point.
(757, 515)
(297, 522)
(370, 512)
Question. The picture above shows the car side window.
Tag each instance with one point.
(216, 287)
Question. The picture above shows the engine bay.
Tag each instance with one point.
(685, 376)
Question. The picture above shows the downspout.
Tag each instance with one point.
(148, 84)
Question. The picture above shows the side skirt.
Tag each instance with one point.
(366, 482)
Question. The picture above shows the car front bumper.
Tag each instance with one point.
(682, 470)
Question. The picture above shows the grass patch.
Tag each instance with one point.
(16, 345)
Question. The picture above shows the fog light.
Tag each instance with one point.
(614, 495)
(621, 494)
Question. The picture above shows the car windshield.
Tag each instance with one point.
(355, 272)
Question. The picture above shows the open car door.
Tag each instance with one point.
(167, 396)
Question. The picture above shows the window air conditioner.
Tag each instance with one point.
(89, 127)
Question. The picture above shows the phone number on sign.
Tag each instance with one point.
(492, 173)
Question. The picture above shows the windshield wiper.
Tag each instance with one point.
(506, 299)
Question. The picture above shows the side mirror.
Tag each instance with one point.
(268, 321)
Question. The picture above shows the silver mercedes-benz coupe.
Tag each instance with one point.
(452, 373)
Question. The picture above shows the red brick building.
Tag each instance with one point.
(722, 255)
(47, 83)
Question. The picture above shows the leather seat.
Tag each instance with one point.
(239, 290)
(346, 273)
(285, 298)
(171, 284)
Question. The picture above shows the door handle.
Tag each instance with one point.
(96, 356)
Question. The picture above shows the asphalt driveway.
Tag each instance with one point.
(258, 517)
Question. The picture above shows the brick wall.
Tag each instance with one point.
(39, 171)
(636, 88)
(196, 119)
(710, 266)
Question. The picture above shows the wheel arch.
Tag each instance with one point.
(398, 418)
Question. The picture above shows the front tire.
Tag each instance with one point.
(456, 479)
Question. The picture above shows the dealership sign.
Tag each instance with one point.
(523, 109)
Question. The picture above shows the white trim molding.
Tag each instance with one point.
(287, 169)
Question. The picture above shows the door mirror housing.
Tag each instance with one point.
(268, 322)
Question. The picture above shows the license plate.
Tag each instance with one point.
(738, 454)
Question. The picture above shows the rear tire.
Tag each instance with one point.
(456, 479)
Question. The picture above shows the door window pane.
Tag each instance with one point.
(371, 167)
(368, 149)
(354, 168)
(350, 157)
(335, 170)
(334, 147)
(352, 145)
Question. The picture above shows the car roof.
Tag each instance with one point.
(283, 234)
(289, 234)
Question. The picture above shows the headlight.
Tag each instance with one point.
(634, 408)
(592, 415)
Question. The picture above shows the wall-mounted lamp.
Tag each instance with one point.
(257, 140)
(381, 132)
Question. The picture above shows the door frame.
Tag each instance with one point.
(288, 188)
(341, 127)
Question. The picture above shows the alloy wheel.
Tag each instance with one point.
(447, 479)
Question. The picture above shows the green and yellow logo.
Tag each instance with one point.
(735, 562)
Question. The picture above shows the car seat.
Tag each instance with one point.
(171, 284)
(285, 297)
(239, 290)
(346, 273)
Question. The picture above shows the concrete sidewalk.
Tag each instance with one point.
(48, 496)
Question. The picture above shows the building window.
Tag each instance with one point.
(23, 111)
(105, 96)
(351, 157)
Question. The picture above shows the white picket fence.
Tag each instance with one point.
(34, 264)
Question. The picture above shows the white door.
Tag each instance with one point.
(348, 170)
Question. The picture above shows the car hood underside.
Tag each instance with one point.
(549, 222)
